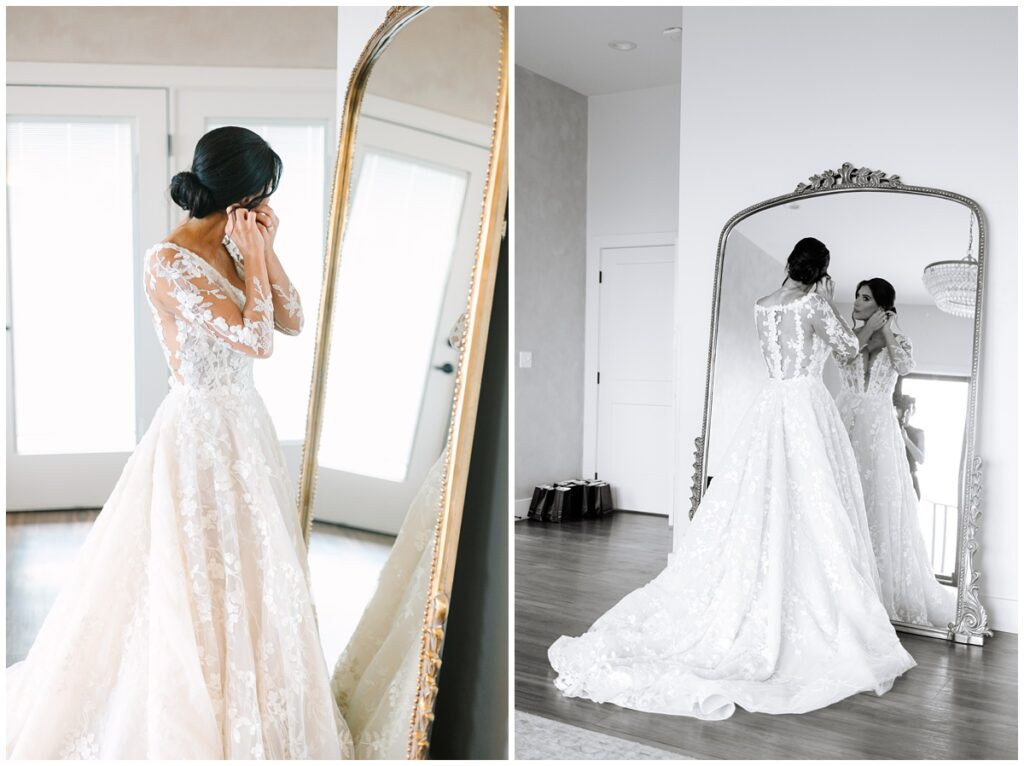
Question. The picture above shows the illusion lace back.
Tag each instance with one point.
(187, 628)
(909, 589)
(770, 601)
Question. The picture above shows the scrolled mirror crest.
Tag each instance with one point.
(849, 176)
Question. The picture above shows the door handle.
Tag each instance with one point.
(446, 368)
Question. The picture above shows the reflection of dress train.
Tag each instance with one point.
(909, 589)
(771, 600)
(375, 677)
(186, 629)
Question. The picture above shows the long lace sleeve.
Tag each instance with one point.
(902, 355)
(288, 316)
(179, 284)
(833, 330)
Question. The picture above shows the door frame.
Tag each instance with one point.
(592, 336)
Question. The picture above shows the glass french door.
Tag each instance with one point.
(86, 175)
(396, 302)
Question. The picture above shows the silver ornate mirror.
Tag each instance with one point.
(929, 245)
(414, 230)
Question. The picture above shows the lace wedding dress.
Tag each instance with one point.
(771, 600)
(187, 628)
(909, 589)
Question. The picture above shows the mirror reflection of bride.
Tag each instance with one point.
(187, 629)
(909, 589)
(771, 599)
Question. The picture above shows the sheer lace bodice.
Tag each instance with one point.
(878, 377)
(796, 337)
(208, 336)
(207, 342)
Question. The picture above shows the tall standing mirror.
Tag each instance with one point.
(909, 404)
(414, 229)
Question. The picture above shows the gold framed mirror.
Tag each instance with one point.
(413, 237)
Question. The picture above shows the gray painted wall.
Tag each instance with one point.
(550, 230)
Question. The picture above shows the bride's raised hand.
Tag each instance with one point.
(825, 287)
(244, 230)
(876, 321)
(268, 221)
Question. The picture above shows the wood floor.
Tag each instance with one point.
(959, 702)
(41, 545)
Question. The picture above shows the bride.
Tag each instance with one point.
(187, 629)
(909, 589)
(771, 601)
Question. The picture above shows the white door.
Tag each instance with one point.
(635, 363)
(86, 176)
(403, 281)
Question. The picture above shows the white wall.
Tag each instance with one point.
(740, 372)
(355, 25)
(633, 162)
(772, 95)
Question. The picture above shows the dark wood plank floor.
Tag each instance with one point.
(41, 546)
(959, 702)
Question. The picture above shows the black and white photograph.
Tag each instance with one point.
(765, 464)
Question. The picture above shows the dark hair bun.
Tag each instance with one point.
(229, 164)
(808, 262)
(189, 194)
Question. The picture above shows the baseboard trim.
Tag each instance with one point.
(642, 513)
(1002, 612)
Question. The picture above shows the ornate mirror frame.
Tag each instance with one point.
(471, 351)
(970, 625)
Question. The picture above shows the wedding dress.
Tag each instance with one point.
(187, 627)
(910, 591)
(771, 600)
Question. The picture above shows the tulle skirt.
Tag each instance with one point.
(187, 628)
(771, 601)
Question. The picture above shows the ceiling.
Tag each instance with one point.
(893, 236)
(570, 46)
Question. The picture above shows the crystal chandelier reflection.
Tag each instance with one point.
(954, 284)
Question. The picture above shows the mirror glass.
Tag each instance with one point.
(423, 144)
(907, 423)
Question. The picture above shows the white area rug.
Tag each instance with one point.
(544, 739)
